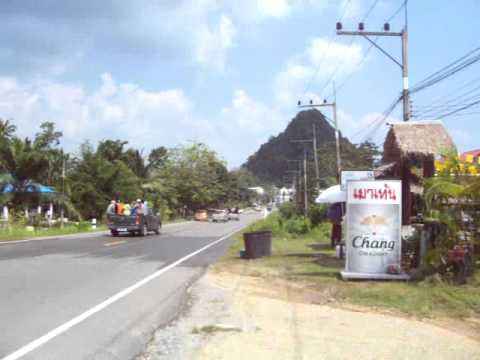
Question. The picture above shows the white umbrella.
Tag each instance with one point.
(333, 194)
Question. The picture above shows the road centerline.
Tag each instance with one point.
(113, 243)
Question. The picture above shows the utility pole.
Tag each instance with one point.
(305, 180)
(333, 105)
(403, 65)
(297, 176)
(315, 155)
(305, 191)
(63, 192)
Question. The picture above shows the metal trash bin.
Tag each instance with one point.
(257, 244)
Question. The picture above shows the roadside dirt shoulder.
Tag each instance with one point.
(267, 321)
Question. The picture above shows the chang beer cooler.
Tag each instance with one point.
(374, 224)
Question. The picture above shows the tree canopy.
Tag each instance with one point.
(184, 178)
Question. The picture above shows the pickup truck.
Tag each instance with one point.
(135, 224)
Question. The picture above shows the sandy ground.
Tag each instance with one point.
(239, 317)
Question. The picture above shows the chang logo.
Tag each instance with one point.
(365, 242)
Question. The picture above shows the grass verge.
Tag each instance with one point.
(307, 261)
(16, 232)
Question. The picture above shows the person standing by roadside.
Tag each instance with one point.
(335, 215)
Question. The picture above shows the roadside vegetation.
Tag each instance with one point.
(302, 257)
(176, 181)
(20, 232)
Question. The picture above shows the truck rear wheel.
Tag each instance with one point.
(144, 230)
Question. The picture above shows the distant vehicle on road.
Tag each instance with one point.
(220, 216)
(200, 215)
(139, 224)
(234, 214)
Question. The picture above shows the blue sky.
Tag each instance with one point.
(227, 73)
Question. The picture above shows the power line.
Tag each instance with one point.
(460, 109)
(457, 99)
(465, 114)
(447, 106)
(345, 8)
(360, 63)
(369, 11)
(448, 66)
(396, 12)
(367, 52)
(447, 98)
(376, 123)
(381, 119)
(450, 108)
(453, 68)
(342, 61)
(320, 63)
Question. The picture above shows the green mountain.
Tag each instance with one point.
(270, 163)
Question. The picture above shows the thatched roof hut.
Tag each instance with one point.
(413, 143)
(416, 140)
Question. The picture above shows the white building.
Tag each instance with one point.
(285, 194)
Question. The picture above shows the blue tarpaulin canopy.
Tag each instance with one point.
(28, 187)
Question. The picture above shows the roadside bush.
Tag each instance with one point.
(17, 217)
(166, 213)
(317, 214)
(271, 223)
(288, 210)
(297, 226)
(83, 226)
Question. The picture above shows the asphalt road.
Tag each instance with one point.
(98, 297)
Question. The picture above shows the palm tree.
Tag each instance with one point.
(7, 129)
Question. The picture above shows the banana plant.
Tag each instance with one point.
(452, 201)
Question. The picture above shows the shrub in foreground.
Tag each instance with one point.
(297, 226)
(288, 210)
(317, 214)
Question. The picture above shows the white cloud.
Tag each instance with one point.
(316, 65)
(212, 44)
(123, 111)
(144, 118)
(254, 11)
(244, 125)
(51, 38)
(250, 115)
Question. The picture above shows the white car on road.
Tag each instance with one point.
(220, 216)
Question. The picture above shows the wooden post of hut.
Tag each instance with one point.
(414, 144)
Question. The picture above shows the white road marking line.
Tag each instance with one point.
(97, 308)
